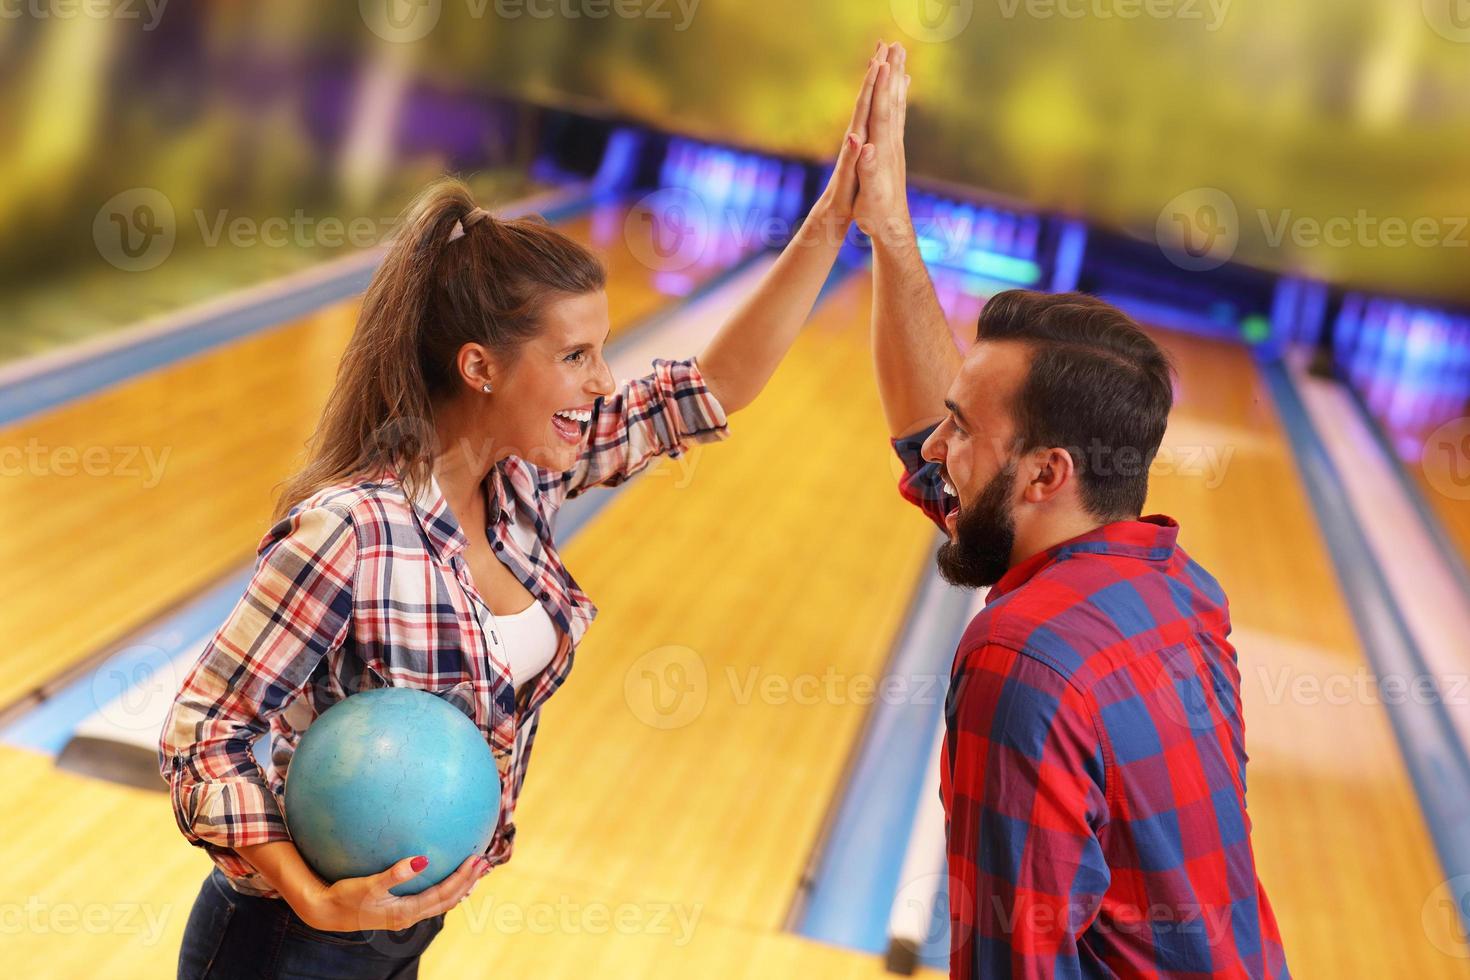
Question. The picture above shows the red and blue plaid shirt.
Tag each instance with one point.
(361, 587)
(1093, 770)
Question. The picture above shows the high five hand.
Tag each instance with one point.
(882, 203)
(842, 189)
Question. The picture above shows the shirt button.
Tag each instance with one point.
(546, 597)
(500, 546)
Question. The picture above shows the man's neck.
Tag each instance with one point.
(1047, 534)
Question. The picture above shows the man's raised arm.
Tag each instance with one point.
(913, 350)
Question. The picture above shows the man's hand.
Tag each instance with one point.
(882, 209)
(913, 352)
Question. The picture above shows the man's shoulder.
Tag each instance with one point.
(1082, 608)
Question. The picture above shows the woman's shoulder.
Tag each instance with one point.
(360, 500)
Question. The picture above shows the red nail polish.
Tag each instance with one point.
(419, 863)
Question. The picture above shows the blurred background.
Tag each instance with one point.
(193, 196)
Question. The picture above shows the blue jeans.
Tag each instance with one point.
(231, 936)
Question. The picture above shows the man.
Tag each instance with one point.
(1094, 762)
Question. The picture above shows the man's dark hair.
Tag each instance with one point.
(1098, 387)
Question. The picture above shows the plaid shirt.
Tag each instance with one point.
(1093, 769)
(360, 587)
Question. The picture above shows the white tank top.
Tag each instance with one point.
(529, 637)
(530, 641)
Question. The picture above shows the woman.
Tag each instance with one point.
(472, 395)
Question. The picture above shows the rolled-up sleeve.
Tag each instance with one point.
(659, 414)
(296, 608)
(920, 483)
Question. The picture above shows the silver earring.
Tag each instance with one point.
(485, 387)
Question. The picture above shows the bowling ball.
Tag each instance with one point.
(389, 774)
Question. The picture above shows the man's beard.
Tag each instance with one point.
(985, 534)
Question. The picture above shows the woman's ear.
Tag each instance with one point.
(478, 367)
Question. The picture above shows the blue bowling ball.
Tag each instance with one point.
(389, 774)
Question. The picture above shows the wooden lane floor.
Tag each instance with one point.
(132, 499)
(1340, 841)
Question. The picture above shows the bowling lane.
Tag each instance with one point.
(1340, 842)
(176, 490)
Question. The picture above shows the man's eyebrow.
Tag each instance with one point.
(955, 411)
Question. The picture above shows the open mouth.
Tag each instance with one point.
(571, 423)
(952, 510)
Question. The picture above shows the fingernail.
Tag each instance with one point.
(419, 863)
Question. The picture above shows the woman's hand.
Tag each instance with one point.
(840, 194)
(354, 904)
(743, 355)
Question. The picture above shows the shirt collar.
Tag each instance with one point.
(1150, 538)
(439, 522)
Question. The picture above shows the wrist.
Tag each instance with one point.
(827, 221)
(893, 233)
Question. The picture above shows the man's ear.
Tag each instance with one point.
(1050, 471)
